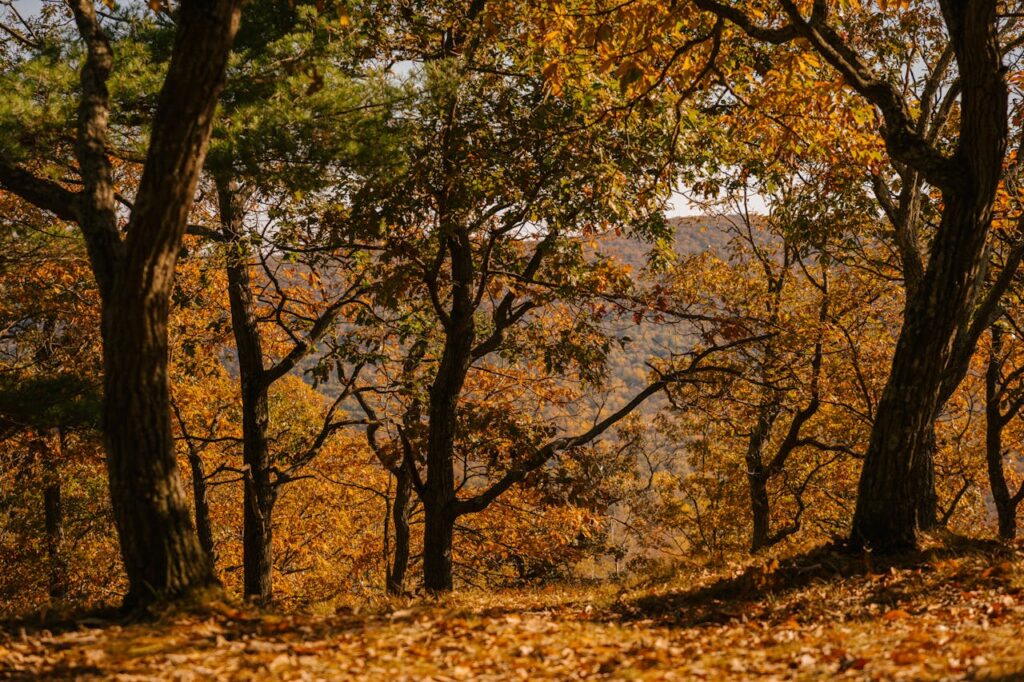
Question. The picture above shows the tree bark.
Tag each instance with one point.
(757, 478)
(162, 555)
(927, 501)
(1006, 503)
(53, 509)
(204, 526)
(260, 493)
(439, 494)
(893, 493)
(401, 509)
(892, 489)
(135, 275)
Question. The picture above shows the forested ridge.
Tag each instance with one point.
(355, 340)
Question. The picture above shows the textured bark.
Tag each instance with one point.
(927, 500)
(162, 555)
(892, 489)
(260, 493)
(439, 494)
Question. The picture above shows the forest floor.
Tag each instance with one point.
(951, 612)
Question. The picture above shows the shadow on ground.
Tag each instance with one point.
(745, 593)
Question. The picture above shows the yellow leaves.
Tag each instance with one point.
(344, 18)
(553, 77)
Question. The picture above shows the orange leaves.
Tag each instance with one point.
(895, 614)
(689, 626)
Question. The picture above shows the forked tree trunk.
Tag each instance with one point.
(893, 485)
(134, 270)
(162, 555)
(894, 489)
(438, 498)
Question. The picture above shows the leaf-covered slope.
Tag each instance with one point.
(944, 614)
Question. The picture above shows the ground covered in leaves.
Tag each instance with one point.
(947, 613)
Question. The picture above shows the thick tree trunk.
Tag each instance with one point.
(135, 276)
(401, 510)
(161, 552)
(204, 526)
(53, 512)
(260, 492)
(162, 555)
(892, 489)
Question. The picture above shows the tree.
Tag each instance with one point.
(962, 161)
(484, 228)
(277, 142)
(135, 274)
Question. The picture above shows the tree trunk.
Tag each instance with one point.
(438, 531)
(260, 492)
(53, 510)
(757, 478)
(1006, 507)
(401, 510)
(439, 494)
(892, 489)
(928, 501)
(204, 527)
(162, 555)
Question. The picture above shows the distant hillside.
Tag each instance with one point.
(693, 235)
(627, 371)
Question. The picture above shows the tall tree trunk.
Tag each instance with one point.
(158, 542)
(135, 275)
(892, 489)
(53, 510)
(260, 493)
(162, 555)
(401, 510)
(439, 494)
